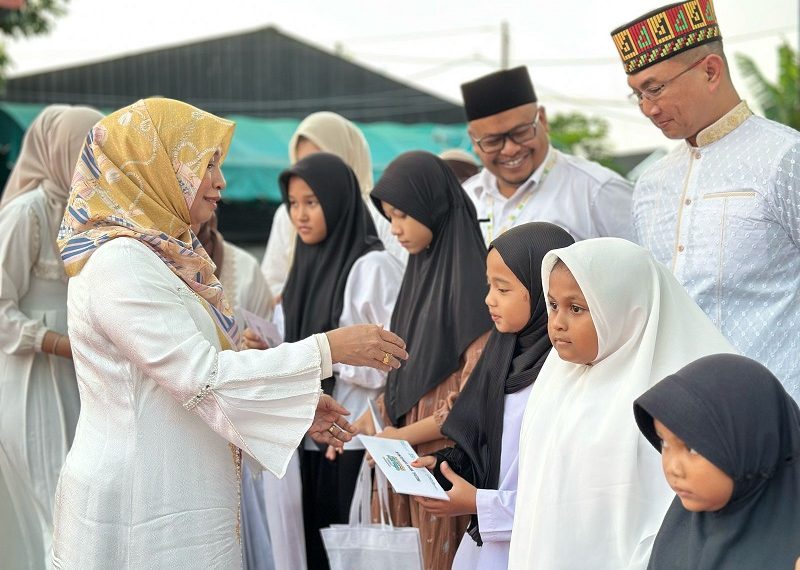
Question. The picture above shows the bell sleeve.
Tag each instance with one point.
(262, 401)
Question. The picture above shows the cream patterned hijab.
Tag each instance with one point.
(137, 177)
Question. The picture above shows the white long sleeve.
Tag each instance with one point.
(19, 247)
(496, 514)
(261, 401)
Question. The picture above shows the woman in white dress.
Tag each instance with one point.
(39, 401)
(326, 132)
(152, 479)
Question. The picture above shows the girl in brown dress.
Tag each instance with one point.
(441, 314)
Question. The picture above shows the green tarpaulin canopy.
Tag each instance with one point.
(259, 151)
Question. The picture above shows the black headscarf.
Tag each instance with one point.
(736, 414)
(510, 361)
(440, 309)
(314, 293)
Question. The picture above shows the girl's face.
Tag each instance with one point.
(306, 212)
(569, 323)
(509, 301)
(700, 484)
(208, 194)
(412, 235)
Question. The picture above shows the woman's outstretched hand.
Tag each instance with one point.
(329, 425)
(367, 345)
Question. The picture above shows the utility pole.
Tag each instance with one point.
(505, 42)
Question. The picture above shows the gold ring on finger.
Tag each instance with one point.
(330, 429)
(386, 358)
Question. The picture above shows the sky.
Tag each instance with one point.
(432, 44)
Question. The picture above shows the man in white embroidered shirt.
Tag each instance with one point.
(525, 179)
(723, 209)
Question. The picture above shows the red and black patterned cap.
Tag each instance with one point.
(663, 33)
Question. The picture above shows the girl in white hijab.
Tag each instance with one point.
(326, 132)
(39, 401)
(591, 484)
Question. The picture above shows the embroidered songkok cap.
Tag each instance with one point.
(665, 32)
(497, 92)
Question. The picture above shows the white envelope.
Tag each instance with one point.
(393, 457)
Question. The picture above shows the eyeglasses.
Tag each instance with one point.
(520, 135)
(653, 92)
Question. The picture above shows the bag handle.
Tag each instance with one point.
(360, 507)
(382, 486)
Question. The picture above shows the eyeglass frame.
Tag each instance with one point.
(508, 135)
(638, 97)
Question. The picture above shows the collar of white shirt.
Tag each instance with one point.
(487, 182)
(725, 125)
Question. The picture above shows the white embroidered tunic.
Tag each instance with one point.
(151, 481)
(725, 217)
(584, 198)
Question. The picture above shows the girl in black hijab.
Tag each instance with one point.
(341, 275)
(729, 436)
(485, 420)
(439, 310)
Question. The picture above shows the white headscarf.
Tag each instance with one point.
(49, 152)
(591, 489)
(335, 134)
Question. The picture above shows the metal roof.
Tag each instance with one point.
(264, 73)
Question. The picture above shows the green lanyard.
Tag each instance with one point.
(521, 206)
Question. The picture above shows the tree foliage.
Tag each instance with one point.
(779, 100)
(576, 133)
(32, 18)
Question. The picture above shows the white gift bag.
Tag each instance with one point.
(360, 545)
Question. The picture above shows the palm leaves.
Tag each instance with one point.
(780, 101)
